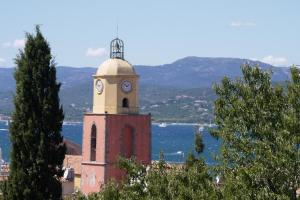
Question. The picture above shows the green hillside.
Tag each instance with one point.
(165, 104)
(176, 92)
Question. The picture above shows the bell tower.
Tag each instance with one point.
(116, 84)
(114, 127)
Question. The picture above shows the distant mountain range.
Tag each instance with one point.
(189, 72)
(158, 83)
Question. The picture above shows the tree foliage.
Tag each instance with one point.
(199, 145)
(162, 181)
(259, 125)
(37, 145)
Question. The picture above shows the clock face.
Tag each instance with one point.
(126, 86)
(99, 86)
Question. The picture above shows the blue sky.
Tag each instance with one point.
(155, 32)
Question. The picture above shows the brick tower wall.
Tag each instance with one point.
(141, 129)
(117, 134)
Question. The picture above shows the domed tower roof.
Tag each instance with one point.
(116, 65)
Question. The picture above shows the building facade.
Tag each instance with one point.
(114, 128)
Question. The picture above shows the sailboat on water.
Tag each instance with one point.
(162, 125)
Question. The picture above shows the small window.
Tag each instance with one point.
(93, 142)
(125, 103)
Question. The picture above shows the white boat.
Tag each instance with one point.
(210, 125)
(162, 125)
(71, 123)
(201, 128)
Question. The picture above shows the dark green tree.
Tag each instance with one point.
(259, 124)
(199, 145)
(37, 144)
(190, 160)
(199, 148)
(2, 189)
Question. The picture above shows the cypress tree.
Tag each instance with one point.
(199, 145)
(37, 144)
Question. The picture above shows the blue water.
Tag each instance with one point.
(176, 141)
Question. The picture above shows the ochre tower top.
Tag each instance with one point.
(116, 84)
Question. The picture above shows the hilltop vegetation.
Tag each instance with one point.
(176, 92)
(178, 105)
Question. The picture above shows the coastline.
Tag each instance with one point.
(7, 119)
(153, 123)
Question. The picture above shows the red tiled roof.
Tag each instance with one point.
(73, 148)
(73, 161)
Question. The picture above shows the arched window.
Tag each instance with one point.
(93, 142)
(125, 103)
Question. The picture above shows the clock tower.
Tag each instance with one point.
(116, 84)
(115, 127)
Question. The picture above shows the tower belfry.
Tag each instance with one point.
(115, 127)
(116, 84)
(117, 49)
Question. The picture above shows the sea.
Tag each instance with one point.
(176, 141)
